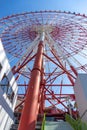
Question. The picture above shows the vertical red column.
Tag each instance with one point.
(42, 100)
(29, 114)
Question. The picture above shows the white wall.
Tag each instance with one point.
(6, 107)
(80, 89)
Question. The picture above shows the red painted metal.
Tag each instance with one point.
(21, 66)
(42, 94)
(19, 104)
(71, 80)
(51, 73)
(62, 49)
(74, 70)
(61, 88)
(50, 92)
(68, 85)
(59, 66)
(29, 114)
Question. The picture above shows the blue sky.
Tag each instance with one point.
(8, 7)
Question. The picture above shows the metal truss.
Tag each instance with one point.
(64, 56)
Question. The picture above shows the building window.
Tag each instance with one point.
(4, 84)
(0, 67)
(7, 88)
(10, 94)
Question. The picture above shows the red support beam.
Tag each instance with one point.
(51, 73)
(54, 78)
(29, 114)
(67, 94)
(19, 104)
(59, 85)
(67, 72)
(74, 70)
(21, 66)
(53, 95)
(42, 94)
(61, 88)
(54, 85)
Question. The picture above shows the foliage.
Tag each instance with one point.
(43, 122)
(76, 124)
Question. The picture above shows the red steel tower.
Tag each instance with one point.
(47, 50)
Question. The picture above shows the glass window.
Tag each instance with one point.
(7, 88)
(10, 94)
(0, 67)
(4, 84)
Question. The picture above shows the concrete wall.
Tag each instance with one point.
(80, 89)
(6, 106)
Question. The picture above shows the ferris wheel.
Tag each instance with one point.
(61, 40)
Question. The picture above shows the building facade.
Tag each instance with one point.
(81, 95)
(8, 92)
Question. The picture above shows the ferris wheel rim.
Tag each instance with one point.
(61, 40)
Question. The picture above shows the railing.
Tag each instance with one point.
(43, 122)
(76, 124)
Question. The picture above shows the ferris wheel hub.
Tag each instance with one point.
(42, 28)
